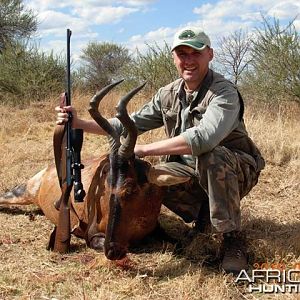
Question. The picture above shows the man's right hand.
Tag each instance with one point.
(63, 116)
(62, 113)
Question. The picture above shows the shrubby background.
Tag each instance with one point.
(264, 64)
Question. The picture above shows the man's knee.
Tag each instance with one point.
(185, 199)
(219, 155)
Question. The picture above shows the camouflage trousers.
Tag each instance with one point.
(221, 177)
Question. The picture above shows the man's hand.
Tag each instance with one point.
(140, 150)
(63, 116)
(63, 110)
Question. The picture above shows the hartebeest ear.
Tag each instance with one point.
(163, 177)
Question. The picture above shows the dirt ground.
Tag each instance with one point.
(154, 269)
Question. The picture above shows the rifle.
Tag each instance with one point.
(70, 170)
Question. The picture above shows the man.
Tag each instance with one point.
(202, 114)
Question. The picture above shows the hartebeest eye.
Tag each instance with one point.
(129, 187)
(129, 190)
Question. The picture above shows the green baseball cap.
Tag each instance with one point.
(191, 36)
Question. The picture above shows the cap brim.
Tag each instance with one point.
(193, 44)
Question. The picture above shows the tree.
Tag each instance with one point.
(276, 61)
(15, 22)
(102, 64)
(233, 55)
(154, 66)
(27, 74)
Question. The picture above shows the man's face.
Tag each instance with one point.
(192, 65)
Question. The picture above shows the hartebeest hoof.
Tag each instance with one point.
(97, 242)
(50, 245)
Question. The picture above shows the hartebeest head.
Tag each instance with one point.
(133, 204)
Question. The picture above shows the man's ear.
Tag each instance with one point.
(211, 54)
(173, 56)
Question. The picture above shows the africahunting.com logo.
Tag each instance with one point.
(271, 278)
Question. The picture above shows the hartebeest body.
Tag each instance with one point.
(120, 205)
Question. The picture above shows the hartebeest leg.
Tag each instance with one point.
(94, 238)
(51, 242)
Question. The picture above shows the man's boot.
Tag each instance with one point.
(235, 255)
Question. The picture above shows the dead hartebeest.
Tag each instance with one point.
(120, 205)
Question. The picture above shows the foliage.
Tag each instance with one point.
(102, 63)
(233, 55)
(26, 73)
(275, 62)
(265, 67)
(155, 66)
(29, 75)
(107, 62)
(15, 22)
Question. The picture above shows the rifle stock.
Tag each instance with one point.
(63, 230)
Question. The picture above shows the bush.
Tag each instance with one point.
(155, 66)
(274, 73)
(29, 75)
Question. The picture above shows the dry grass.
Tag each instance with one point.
(154, 270)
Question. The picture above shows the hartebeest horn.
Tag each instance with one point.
(127, 148)
(113, 138)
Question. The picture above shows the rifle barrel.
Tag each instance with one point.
(68, 100)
